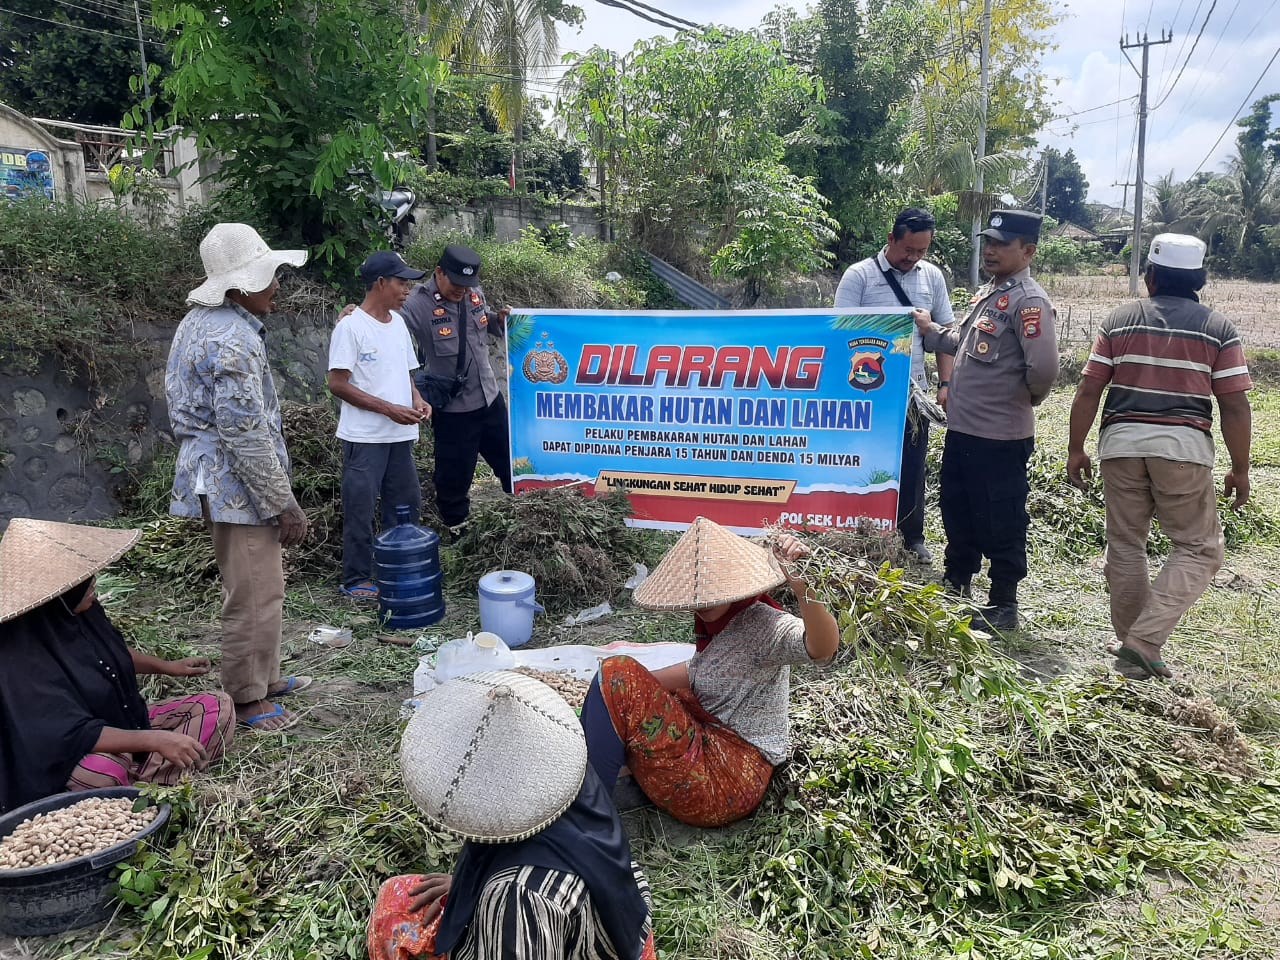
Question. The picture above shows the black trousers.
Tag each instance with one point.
(461, 439)
(370, 471)
(915, 444)
(984, 510)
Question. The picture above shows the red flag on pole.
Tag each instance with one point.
(511, 175)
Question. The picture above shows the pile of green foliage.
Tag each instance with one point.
(578, 549)
(931, 779)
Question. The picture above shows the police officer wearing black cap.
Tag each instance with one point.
(1006, 354)
(446, 315)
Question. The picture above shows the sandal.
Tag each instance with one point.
(291, 685)
(254, 723)
(1130, 656)
(364, 590)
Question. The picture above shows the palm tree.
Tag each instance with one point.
(502, 40)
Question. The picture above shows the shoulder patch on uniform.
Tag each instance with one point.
(475, 299)
(1003, 303)
(1030, 313)
(1030, 329)
(439, 312)
(987, 325)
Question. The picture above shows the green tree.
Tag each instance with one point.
(1067, 190)
(503, 41)
(781, 227)
(864, 57)
(75, 68)
(303, 102)
(675, 125)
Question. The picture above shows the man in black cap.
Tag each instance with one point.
(371, 364)
(452, 323)
(1006, 354)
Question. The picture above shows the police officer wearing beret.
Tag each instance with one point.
(440, 313)
(1006, 354)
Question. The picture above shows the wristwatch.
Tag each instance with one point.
(943, 383)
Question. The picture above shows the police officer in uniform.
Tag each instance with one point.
(1006, 362)
(439, 313)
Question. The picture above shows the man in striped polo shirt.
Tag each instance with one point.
(1164, 359)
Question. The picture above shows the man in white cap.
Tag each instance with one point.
(233, 468)
(1163, 361)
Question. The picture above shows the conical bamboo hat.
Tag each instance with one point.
(708, 566)
(40, 559)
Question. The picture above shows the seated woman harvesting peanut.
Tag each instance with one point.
(71, 717)
(702, 738)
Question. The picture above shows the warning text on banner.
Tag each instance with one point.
(750, 418)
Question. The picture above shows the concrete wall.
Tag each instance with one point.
(66, 448)
(503, 219)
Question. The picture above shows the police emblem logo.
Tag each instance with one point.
(468, 271)
(984, 347)
(475, 299)
(866, 370)
(445, 331)
(439, 312)
(987, 325)
(997, 221)
(483, 320)
(1030, 329)
(1003, 303)
(545, 364)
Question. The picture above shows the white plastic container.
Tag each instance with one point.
(507, 606)
(472, 654)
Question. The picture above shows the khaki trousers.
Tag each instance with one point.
(1182, 497)
(251, 563)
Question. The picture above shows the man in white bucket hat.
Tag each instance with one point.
(233, 468)
(1163, 361)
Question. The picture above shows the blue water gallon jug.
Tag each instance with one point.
(406, 562)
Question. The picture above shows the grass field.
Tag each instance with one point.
(947, 798)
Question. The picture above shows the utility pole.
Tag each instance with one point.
(142, 53)
(978, 187)
(1124, 204)
(1135, 255)
(1044, 182)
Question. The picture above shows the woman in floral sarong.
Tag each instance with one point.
(702, 738)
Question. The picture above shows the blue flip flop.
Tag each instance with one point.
(254, 723)
(291, 685)
(364, 590)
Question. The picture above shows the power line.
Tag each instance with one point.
(95, 13)
(75, 26)
(1196, 43)
(1101, 106)
(1185, 35)
(1209, 59)
(1239, 109)
(670, 23)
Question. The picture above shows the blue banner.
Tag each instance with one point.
(748, 417)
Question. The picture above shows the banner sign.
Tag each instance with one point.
(746, 417)
(25, 173)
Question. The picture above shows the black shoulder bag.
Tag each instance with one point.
(896, 287)
(917, 401)
(436, 388)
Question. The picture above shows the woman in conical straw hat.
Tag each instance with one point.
(545, 871)
(702, 738)
(71, 717)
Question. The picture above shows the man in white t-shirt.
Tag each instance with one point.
(371, 364)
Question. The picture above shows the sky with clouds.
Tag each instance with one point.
(1195, 87)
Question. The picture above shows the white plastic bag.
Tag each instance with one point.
(472, 654)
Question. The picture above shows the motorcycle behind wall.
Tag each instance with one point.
(398, 204)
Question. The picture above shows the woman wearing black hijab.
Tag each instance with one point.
(71, 716)
(546, 872)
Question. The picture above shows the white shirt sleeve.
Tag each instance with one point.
(942, 312)
(344, 350)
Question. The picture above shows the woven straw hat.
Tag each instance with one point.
(236, 258)
(40, 559)
(708, 566)
(494, 757)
